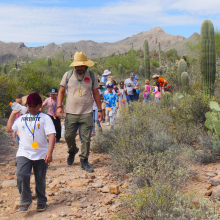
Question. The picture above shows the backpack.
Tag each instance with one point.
(70, 73)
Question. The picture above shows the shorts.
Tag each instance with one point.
(103, 105)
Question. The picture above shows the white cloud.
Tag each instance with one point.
(109, 23)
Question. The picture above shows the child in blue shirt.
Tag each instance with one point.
(111, 105)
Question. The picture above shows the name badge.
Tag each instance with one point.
(35, 145)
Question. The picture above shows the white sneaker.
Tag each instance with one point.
(108, 123)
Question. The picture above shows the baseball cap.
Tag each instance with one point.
(53, 90)
(132, 74)
(110, 85)
(34, 98)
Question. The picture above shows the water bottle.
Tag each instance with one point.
(17, 106)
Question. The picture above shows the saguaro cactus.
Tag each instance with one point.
(185, 82)
(16, 64)
(120, 69)
(71, 56)
(141, 70)
(159, 54)
(182, 67)
(146, 60)
(5, 69)
(208, 60)
(49, 61)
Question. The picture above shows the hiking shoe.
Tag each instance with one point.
(93, 134)
(57, 140)
(41, 207)
(84, 165)
(25, 208)
(71, 157)
(108, 123)
(103, 120)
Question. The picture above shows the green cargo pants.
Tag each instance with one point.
(71, 126)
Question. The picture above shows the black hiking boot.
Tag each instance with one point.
(84, 165)
(71, 157)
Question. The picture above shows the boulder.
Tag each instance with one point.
(114, 189)
(216, 193)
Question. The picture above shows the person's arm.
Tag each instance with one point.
(48, 156)
(156, 90)
(60, 96)
(97, 99)
(11, 121)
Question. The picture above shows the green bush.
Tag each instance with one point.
(154, 63)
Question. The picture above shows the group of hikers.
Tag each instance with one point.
(89, 100)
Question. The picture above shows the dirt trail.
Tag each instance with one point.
(71, 192)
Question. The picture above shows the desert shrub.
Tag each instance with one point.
(161, 202)
(154, 63)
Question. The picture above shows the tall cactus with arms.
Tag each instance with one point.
(208, 61)
(146, 59)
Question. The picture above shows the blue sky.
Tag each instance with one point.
(40, 22)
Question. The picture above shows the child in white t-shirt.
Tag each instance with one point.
(33, 151)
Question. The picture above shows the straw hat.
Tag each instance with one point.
(155, 76)
(80, 59)
(106, 73)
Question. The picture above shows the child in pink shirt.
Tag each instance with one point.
(157, 92)
(147, 90)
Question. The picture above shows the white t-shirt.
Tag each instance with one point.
(130, 86)
(44, 126)
(122, 95)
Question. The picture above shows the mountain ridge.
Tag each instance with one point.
(12, 51)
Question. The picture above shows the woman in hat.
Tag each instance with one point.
(163, 83)
(105, 75)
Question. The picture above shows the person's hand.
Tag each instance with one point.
(48, 157)
(105, 102)
(13, 135)
(59, 112)
(14, 112)
(100, 116)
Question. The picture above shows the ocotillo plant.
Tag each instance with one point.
(159, 54)
(182, 67)
(49, 61)
(120, 69)
(185, 82)
(5, 69)
(146, 60)
(208, 61)
(141, 71)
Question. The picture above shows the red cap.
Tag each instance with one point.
(34, 98)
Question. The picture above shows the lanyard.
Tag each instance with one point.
(54, 107)
(34, 124)
(80, 80)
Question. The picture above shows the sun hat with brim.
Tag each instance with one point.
(106, 73)
(80, 59)
(101, 83)
(24, 100)
(34, 98)
(155, 76)
(53, 90)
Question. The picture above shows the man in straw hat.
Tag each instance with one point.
(79, 112)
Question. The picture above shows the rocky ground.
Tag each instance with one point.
(71, 192)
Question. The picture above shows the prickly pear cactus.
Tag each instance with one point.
(185, 82)
(120, 69)
(146, 60)
(213, 118)
(208, 60)
(182, 67)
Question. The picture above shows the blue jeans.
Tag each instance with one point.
(157, 99)
(147, 97)
(95, 120)
(136, 97)
(130, 98)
